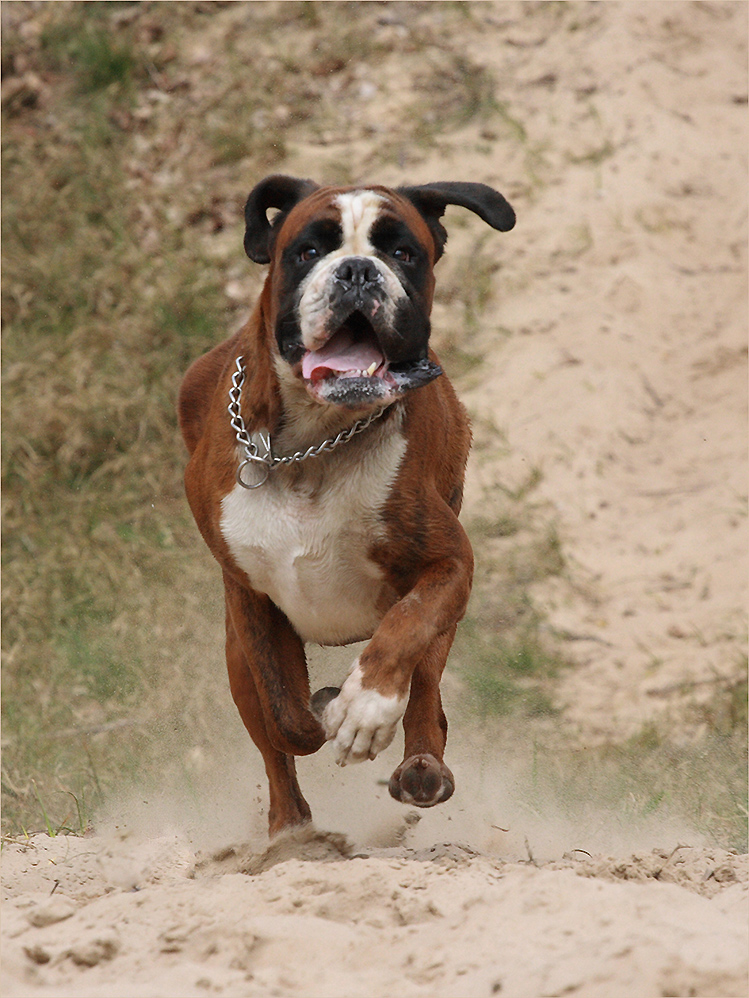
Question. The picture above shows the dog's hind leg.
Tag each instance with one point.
(287, 805)
(422, 779)
(274, 653)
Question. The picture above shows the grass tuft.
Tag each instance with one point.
(650, 776)
(88, 49)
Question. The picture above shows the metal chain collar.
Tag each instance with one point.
(257, 447)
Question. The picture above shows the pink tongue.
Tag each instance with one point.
(340, 353)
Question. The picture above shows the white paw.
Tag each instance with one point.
(361, 723)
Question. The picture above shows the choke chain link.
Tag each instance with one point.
(268, 460)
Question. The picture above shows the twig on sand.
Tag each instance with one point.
(531, 858)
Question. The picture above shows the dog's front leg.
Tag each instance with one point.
(362, 719)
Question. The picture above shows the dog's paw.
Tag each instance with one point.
(359, 722)
(422, 781)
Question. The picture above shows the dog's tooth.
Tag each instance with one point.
(372, 368)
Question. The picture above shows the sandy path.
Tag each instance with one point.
(625, 379)
(136, 920)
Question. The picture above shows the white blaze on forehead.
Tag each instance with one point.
(359, 212)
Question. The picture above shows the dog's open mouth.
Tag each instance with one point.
(352, 370)
(352, 352)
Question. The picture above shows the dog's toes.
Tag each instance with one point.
(321, 699)
(422, 781)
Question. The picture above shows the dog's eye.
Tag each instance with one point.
(308, 253)
(402, 254)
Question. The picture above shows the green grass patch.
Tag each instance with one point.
(500, 695)
(509, 669)
(701, 784)
(83, 45)
(502, 652)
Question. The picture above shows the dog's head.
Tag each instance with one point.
(350, 286)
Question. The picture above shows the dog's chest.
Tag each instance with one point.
(308, 549)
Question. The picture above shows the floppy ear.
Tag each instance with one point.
(431, 199)
(277, 191)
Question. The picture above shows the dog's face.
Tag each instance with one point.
(351, 281)
(353, 288)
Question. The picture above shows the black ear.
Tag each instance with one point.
(431, 200)
(277, 191)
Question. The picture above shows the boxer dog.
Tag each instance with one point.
(327, 456)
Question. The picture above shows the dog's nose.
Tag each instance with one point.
(358, 272)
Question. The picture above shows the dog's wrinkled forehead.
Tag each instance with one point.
(359, 211)
(349, 216)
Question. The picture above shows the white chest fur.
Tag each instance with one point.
(307, 548)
